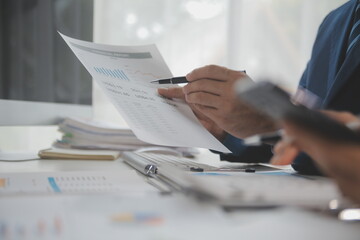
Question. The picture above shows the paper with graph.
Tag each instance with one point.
(119, 181)
(124, 74)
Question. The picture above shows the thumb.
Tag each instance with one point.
(172, 92)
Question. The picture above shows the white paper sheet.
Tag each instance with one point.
(109, 216)
(124, 74)
(266, 189)
(114, 216)
(127, 181)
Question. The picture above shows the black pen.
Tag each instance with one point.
(174, 80)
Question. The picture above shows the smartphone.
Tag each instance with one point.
(273, 101)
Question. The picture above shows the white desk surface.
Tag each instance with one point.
(280, 223)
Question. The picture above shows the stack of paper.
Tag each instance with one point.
(91, 134)
(95, 135)
(76, 154)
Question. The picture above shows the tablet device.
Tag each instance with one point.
(276, 103)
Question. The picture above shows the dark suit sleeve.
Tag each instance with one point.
(243, 153)
(305, 165)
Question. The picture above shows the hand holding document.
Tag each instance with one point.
(125, 75)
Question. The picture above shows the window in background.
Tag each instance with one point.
(37, 65)
(268, 38)
(189, 34)
(273, 38)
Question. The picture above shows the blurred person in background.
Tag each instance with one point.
(338, 160)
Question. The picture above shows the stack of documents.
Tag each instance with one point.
(91, 134)
(76, 154)
(95, 135)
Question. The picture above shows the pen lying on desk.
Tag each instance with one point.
(274, 137)
(139, 163)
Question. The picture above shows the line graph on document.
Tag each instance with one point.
(141, 75)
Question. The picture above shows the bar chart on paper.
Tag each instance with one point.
(113, 73)
(127, 73)
(72, 182)
(141, 66)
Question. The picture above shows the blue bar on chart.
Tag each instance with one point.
(54, 185)
(114, 73)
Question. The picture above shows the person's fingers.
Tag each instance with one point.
(207, 112)
(208, 123)
(321, 149)
(172, 92)
(307, 141)
(204, 99)
(206, 85)
(343, 117)
(214, 72)
(198, 113)
(285, 153)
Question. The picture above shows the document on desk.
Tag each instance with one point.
(256, 190)
(111, 217)
(124, 74)
(127, 182)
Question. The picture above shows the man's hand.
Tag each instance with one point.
(210, 125)
(210, 92)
